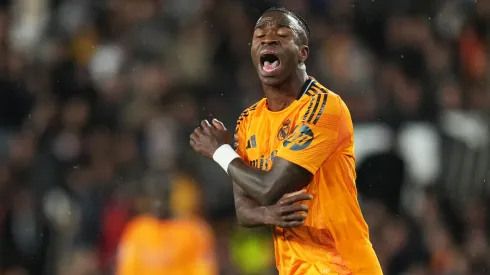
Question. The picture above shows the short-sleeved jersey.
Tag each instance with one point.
(316, 133)
(150, 247)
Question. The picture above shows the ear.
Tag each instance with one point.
(304, 51)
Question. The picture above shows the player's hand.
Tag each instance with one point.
(207, 138)
(285, 213)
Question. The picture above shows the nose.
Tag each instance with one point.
(269, 42)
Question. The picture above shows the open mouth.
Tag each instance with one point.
(269, 62)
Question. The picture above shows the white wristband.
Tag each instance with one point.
(224, 155)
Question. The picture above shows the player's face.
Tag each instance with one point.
(276, 48)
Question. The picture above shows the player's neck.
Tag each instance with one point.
(281, 96)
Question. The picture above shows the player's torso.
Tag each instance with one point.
(295, 248)
(267, 131)
(163, 247)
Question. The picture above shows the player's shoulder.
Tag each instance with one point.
(250, 111)
(200, 226)
(197, 228)
(321, 105)
(316, 92)
(322, 101)
(140, 225)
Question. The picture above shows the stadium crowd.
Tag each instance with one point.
(97, 96)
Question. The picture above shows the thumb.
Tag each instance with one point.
(218, 124)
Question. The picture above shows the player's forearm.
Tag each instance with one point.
(253, 181)
(251, 216)
(249, 212)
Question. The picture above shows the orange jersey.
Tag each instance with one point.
(150, 247)
(316, 133)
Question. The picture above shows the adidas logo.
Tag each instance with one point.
(251, 143)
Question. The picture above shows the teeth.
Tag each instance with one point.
(275, 64)
(267, 63)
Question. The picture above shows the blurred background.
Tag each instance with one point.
(97, 96)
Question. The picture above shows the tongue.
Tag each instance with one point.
(271, 66)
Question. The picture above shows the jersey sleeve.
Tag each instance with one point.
(240, 137)
(318, 132)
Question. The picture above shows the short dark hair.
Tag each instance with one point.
(301, 20)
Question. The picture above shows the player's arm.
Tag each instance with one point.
(285, 213)
(298, 158)
(249, 212)
(267, 187)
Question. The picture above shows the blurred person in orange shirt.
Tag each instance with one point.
(300, 136)
(155, 243)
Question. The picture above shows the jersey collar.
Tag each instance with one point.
(306, 86)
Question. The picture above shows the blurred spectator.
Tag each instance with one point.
(25, 236)
(152, 243)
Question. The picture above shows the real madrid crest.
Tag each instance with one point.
(284, 130)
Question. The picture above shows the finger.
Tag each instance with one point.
(193, 136)
(193, 144)
(219, 125)
(294, 193)
(299, 217)
(296, 198)
(205, 125)
(198, 132)
(286, 210)
(292, 224)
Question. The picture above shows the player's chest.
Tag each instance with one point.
(264, 139)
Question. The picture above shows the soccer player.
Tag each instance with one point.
(152, 243)
(299, 137)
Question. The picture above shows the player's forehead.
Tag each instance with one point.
(278, 19)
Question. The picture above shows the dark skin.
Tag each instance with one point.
(260, 195)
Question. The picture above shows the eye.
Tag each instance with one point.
(283, 32)
(259, 35)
